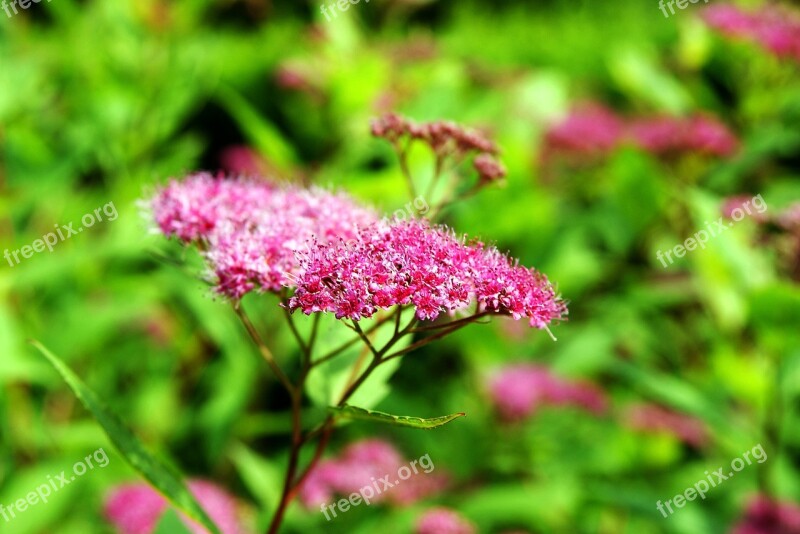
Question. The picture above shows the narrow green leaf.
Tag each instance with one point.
(260, 132)
(170, 523)
(162, 476)
(353, 412)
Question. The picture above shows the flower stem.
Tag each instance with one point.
(262, 347)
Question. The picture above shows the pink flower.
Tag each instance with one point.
(193, 208)
(707, 135)
(444, 521)
(666, 135)
(767, 516)
(592, 130)
(777, 29)
(588, 130)
(137, 508)
(655, 419)
(250, 230)
(517, 391)
(243, 160)
(363, 463)
(789, 218)
(730, 20)
(413, 263)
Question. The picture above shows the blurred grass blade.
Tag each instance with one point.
(259, 131)
(170, 523)
(353, 412)
(163, 477)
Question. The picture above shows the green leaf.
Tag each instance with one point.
(171, 523)
(259, 131)
(353, 412)
(163, 477)
(327, 381)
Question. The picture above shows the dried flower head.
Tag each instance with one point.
(442, 136)
(413, 263)
(489, 169)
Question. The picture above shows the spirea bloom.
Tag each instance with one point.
(137, 508)
(249, 230)
(243, 160)
(673, 135)
(776, 29)
(588, 130)
(444, 521)
(767, 516)
(592, 130)
(363, 463)
(517, 391)
(428, 267)
(650, 418)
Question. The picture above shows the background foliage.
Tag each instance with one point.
(100, 100)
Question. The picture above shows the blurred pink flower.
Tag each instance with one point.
(444, 521)
(137, 508)
(789, 218)
(360, 465)
(250, 230)
(729, 19)
(663, 135)
(590, 129)
(243, 160)
(517, 391)
(766, 516)
(734, 203)
(429, 267)
(777, 29)
(651, 418)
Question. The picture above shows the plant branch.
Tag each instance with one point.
(262, 347)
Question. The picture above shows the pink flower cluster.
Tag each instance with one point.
(360, 465)
(444, 521)
(775, 28)
(137, 508)
(787, 220)
(768, 516)
(592, 131)
(588, 130)
(517, 391)
(655, 419)
(250, 230)
(243, 160)
(411, 262)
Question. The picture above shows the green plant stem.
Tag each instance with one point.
(262, 347)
